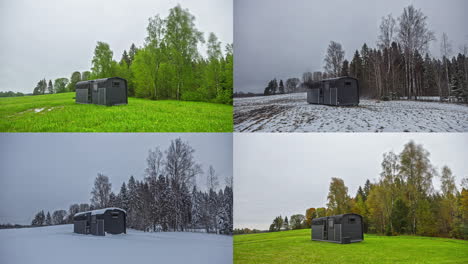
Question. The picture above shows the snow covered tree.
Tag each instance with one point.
(58, 217)
(72, 210)
(48, 220)
(122, 197)
(180, 164)
(281, 87)
(39, 219)
(212, 179)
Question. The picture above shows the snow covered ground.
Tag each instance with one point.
(58, 244)
(292, 113)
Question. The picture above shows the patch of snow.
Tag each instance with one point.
(37, 110)
(56, 244)
(292, 113)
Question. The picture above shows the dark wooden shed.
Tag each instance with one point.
(341, 91)
(98, 222)
(343, 229)
(108, 91)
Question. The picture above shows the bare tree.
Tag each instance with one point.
(229, 181)
(212, 179)
(101, 191)
(414, 38)
(385, 38)
(317, 76)
(180, 164)
(334, 59)
(155, 164)
(446, 51)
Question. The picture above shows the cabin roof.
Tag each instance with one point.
(98, 80)
(335, 216)
(100, 211)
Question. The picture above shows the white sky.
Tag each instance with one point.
(50, 171)
(52, 38)
(287, 173)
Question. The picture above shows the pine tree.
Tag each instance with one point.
(50, 88)
(281, 87)
(286, 223)
(48, 220)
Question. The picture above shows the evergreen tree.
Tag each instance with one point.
(50, 87)
(48, 220)
(281, 87)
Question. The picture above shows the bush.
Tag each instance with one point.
(385, 98)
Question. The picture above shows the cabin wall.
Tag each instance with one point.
(114, 222)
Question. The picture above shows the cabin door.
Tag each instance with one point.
(102, 96)
(333, 96)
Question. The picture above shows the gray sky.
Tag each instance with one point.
(51, 39)
(52, 171)
(287, 173)
(283, 39)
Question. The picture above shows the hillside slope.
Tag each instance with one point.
(296, 247)
(58, 244)
(60, 113)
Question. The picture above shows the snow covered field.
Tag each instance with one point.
(58, 244)
(292, 113)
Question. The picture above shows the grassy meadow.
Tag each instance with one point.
(60, 113)
(296, 247)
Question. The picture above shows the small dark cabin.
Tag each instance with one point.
(341, 91)
(99, 222)
(108, 91)
(342, 229)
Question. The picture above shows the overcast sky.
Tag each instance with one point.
(284, 174)
(52, 171)
(283, 39)
(51, 38)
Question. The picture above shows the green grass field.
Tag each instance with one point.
(60, 113)
(296, 247)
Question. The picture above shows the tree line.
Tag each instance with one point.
(401, 201)
(167, 199)
(167, 66)
(400, 66)
(10, 94)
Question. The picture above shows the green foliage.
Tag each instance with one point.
(298, 221)
(10, 94)
(338, 199)
(168, 65)
(103, 66)
(60, 113)
(40, 88)
(296, 247)
(86, 75)
(75, 77)
(60, 85)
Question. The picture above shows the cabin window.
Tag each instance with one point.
(347, 83)
(115, 84)
(93, 219)
(351, 220)
(330, 223)
(115, 215)
(95, 87)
